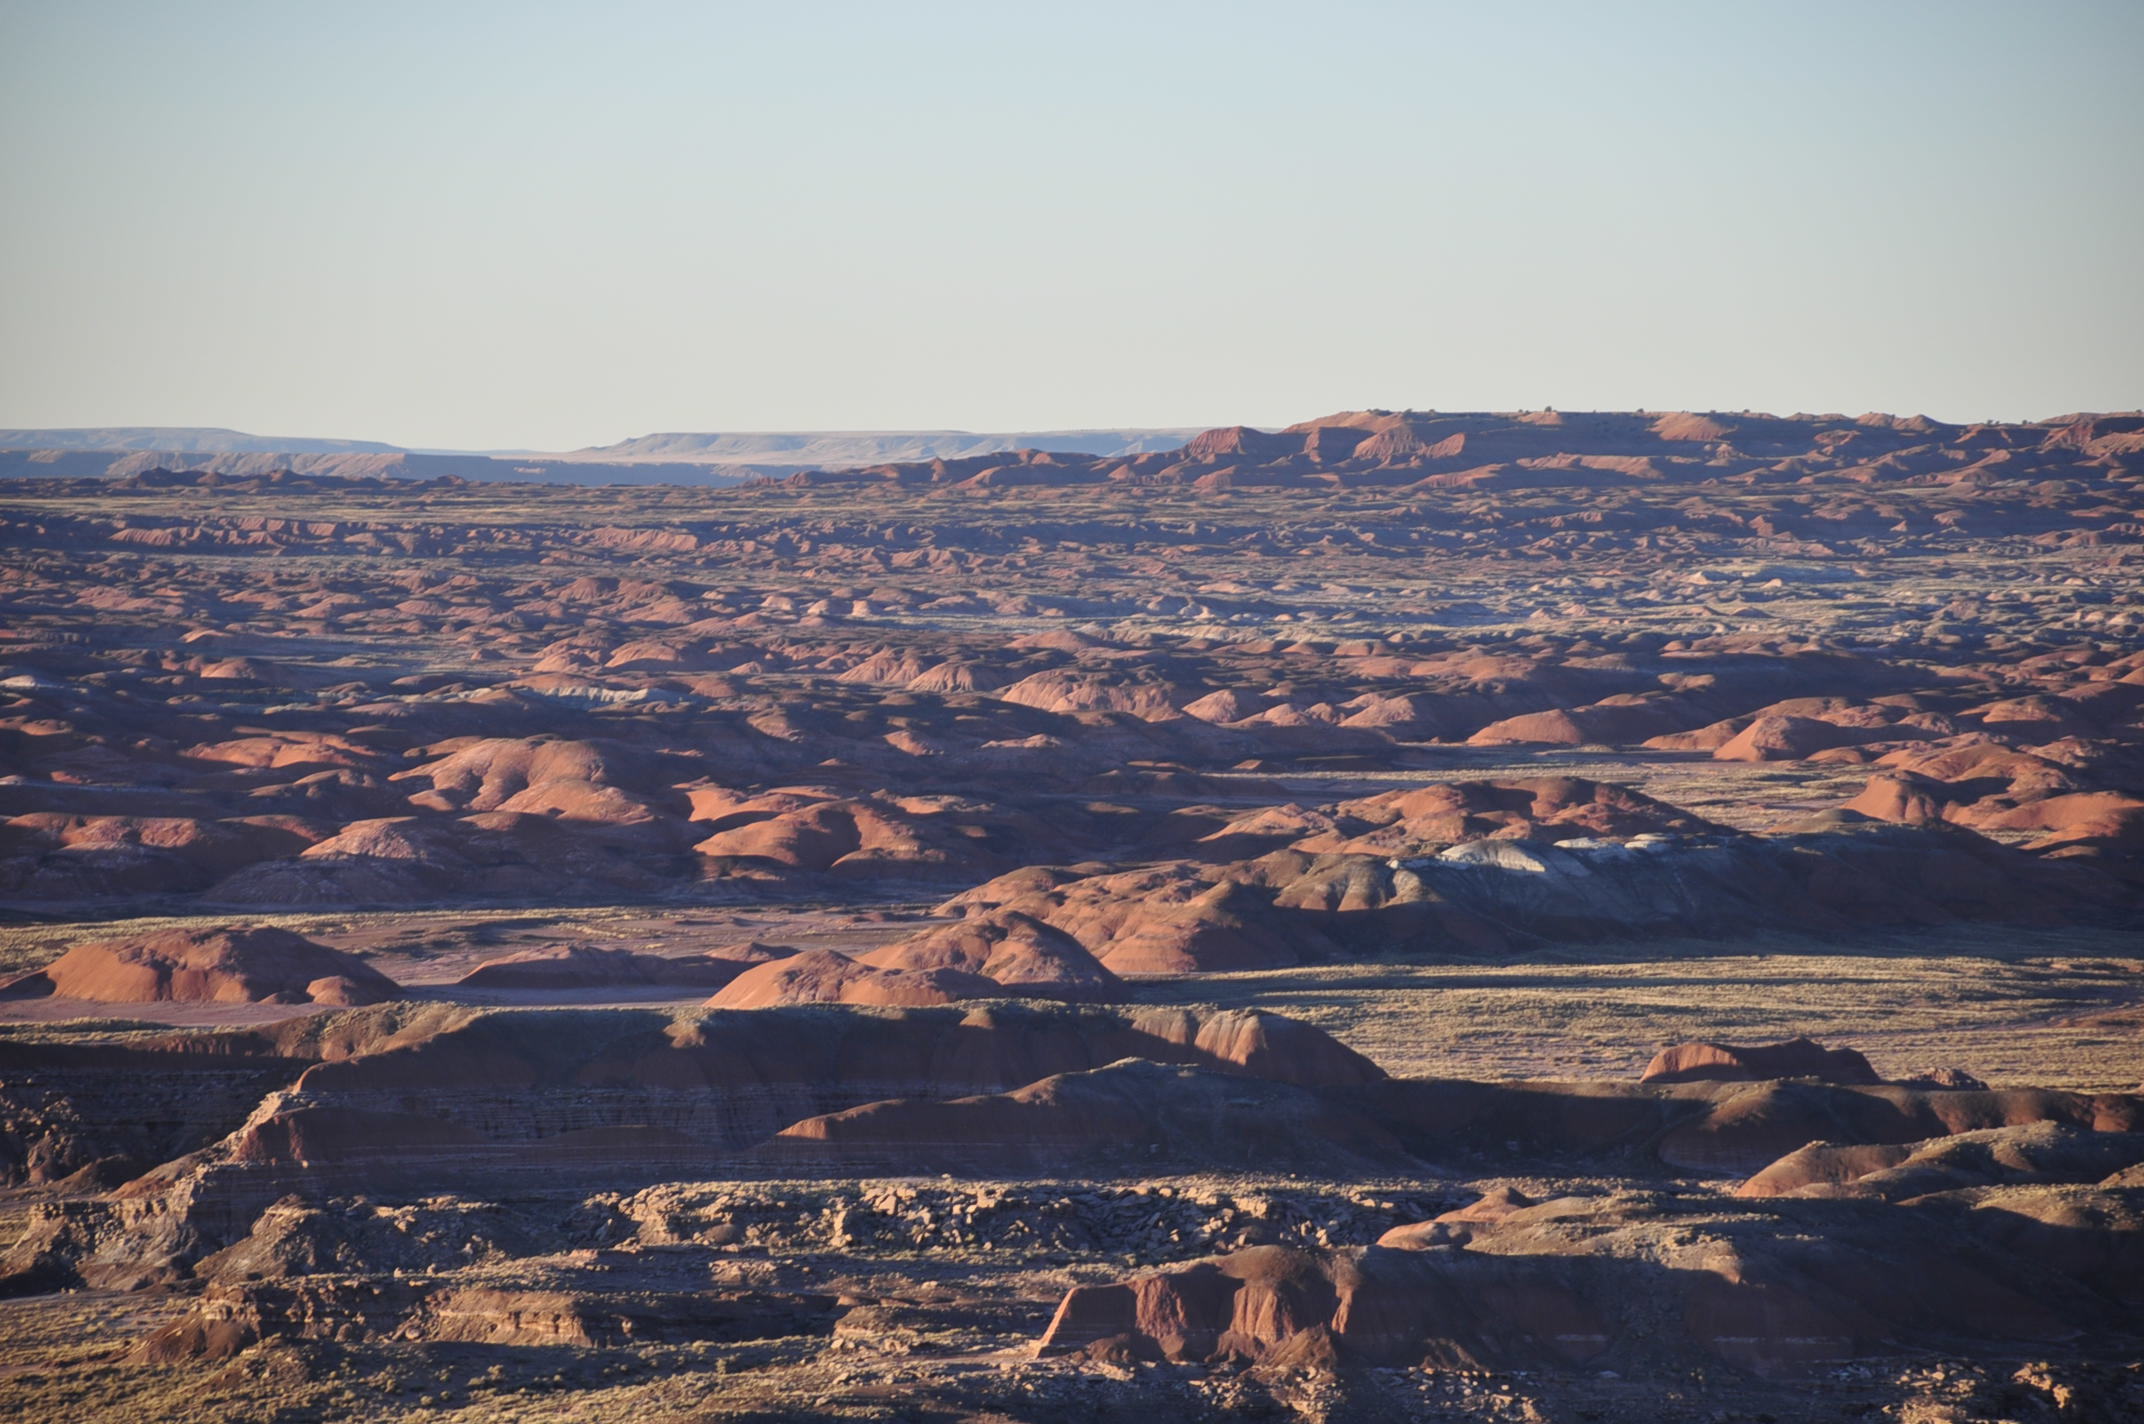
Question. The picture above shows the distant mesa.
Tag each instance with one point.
(184, 440)
(834, 449)
(686, 458)
(1435, 449)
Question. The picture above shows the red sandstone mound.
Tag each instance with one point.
(448, 1051)
(2030, 1153)
(1724, 1128)
(956, 676)
(588, 967)
(1728, 1063)
(1824, 728)
(571, 780)
(1614, 721)
(1984, 785)
(883, 835)
(53, 856)
(406, 859)
(1746, 1126)
(1982, 766)
(1535, 808)
(1345, 891)
(1900, 797)
(1187, 918)
(1226, 928)
(1023, 954)
(2080, 815)
(1264, 1044)
(1132, 1112)
(1456, 1227)
(812, 837)
(821, 976)
(1782, 738)
(1815, 1169)
(292, 750)
(1992, 787)
(1074, 691)
(221, 966)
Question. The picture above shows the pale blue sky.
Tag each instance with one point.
(548, 225)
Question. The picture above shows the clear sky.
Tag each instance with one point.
(548, 225)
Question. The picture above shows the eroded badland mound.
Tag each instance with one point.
(1545, 916)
